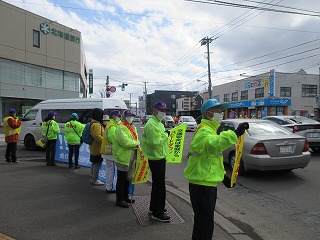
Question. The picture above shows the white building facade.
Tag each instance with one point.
(39, 59)
(271, 93)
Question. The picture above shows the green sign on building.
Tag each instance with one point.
(45, 29)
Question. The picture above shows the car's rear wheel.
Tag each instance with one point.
(30, 143)
(232, 160)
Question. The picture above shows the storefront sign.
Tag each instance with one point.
(45, 29)
(272, 82)
(90, 81)
(261, 102)
(258, 83)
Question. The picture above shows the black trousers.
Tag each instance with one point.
(51, 151)
(158, 191)
(203, 200)
(11, 152)
(73, 149)
(122, 190)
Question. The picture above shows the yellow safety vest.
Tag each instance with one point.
(9, 131)
(106, 146)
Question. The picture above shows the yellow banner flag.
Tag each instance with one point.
(236, 166)
(142, 169)
(176, 142)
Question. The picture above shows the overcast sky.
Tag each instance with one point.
(158, 41)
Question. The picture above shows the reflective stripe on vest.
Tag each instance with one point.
(198, 154)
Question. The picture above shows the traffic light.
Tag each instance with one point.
(123, 86)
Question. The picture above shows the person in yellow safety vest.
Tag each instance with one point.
(11, 127)
(155, 147)
(73, 132)
(106, 149)
(124, 149)
(205, 168)
(50, 129)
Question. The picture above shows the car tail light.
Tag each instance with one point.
(259, 149)
(294, 128)
(306, 146)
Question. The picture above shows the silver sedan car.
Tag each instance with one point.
(267, 146)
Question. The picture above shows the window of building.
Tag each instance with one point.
(259, 92)
(71, 81)
(244, 95)
(216, 97)
(173, 96)
(36, 38)
(234, 96)
(285, 91)
(226, 97)
(173, 105)
(309, 90)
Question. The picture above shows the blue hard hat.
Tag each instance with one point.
(74, 116)
(213, 103)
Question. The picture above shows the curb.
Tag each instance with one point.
(224, 223)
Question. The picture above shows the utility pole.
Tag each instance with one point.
(107, 87)
(130, 101)
(207, 41)
(145, 98)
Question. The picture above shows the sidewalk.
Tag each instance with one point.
(39, 202)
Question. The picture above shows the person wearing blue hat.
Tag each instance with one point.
(73, 132)
(205, 168)
(124, 149)
(106, 149)
(50, 129)
(11, 127)
(155, 147)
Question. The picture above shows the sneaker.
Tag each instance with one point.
(161, 218)
(122, 204)
(129, 200)
(77, 167)
(8, 161)
(97, 183)
(164, 211)
(16, 162)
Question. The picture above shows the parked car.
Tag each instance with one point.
(168, 121)
(302, 126)
(190, 121)
(145, 118)
(267, 146)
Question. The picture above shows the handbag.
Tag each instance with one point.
(81, 140)
(43, 141)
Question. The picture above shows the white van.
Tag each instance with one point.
(32, 120)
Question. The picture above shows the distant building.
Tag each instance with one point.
(39, 59)
(169, 97)
(271, 93)
(189, 106)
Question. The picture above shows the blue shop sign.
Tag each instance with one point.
(261, 102)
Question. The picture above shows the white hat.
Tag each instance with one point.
(105, 118)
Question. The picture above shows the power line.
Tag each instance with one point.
(228, 4)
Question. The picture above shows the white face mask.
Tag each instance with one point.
(117, 119)
(129, 119)
(217, 117)
(161, 115)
